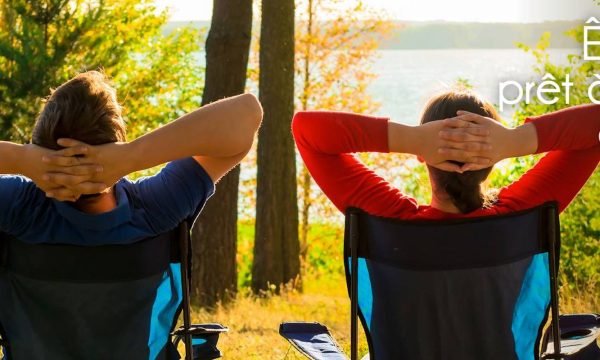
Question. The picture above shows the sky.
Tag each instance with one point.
(429, 10)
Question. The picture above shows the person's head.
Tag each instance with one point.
(84, 108)
(463, 190)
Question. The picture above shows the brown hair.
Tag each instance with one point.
(84, 108)
(463, 189)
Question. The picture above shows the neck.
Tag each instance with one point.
(443, 204)
(99, 204)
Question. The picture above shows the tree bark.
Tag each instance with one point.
(276, 249)
(215, 232)
(305, 178)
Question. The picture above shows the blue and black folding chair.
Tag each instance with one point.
(104, 302)
(478, 288)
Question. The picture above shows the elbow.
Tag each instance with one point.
(255, 110)
(253, 119)
(298, 123)
(303, 124)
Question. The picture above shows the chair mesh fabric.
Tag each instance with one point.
(459, 289)
(60, 313)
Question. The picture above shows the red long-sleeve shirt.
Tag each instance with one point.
(327, 141)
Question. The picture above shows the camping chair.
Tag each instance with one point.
(103, 302)
(477, 288)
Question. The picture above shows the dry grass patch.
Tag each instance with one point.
(254, 322)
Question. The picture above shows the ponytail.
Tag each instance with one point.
(464, 189)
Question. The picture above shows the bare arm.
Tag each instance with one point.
(9, 155)
(27, 160)
(218, 136)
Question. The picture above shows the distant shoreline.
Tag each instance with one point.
(457, 35)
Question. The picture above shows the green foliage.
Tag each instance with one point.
(161, 82)
(44, 43)
(244, 253)
(580, 229)
(464, 83)
(324, 259)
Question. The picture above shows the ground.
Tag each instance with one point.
(254, 322)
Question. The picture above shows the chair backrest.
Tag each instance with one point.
(475, 288)
(103, 302)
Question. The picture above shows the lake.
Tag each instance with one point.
(407, 78)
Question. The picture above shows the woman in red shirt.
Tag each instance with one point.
(459, 152)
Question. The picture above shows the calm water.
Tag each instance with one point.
(407, 78)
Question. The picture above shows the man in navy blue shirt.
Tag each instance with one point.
(73, 188)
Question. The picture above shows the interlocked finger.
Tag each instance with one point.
(471, 117)
(472, 134)
(89, 170)
(468, 146)
(62, 194)
(90, 187)
(463, 156)
(449, 166)
(65, 180)
(67, 142)
(457, 123)
(478, 130)
(58, 160)
(478, 160)
(73, 151)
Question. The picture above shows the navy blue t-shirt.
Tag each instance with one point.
(145, 207)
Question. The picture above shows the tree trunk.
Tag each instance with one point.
(305, 178)
(276, 249)
(215, 232)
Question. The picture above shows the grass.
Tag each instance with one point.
(254, 322)
(585, 300)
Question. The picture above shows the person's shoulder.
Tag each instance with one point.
(15, 178)
(17, 189)
(186, 172)
(190, 167)
(11, 183)
(176, 193)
